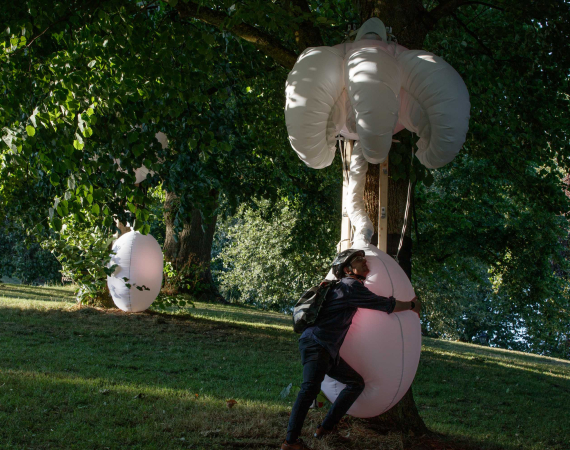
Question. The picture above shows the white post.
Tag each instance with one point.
(346, 227)
(383, 208)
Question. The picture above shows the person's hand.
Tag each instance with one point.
(418, 306)
(405, 306)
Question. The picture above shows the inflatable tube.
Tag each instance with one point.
(373, 78)
(363, 228)
(436, 106)
(313, 88)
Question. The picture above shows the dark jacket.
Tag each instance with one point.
(337, 312)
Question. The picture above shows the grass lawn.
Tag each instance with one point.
(84, 378)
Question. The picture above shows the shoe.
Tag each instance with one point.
(322, 432)
(297, 445)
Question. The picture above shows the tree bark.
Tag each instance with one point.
(190, 250)
(403, 417)
(410, 23)
(371, 199)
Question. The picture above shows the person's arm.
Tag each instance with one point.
(359, 296)
(362, 297)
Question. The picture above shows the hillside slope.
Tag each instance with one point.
(87, 378)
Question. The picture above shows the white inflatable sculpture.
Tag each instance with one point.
(368, 90)
(383, 348)
(139, 259)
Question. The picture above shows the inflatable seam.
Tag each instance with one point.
(427, 117)
(389, 277)
(401, 370)
(130, 265)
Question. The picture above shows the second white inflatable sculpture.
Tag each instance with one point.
(368, 90)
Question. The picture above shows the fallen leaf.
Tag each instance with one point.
(230, 403)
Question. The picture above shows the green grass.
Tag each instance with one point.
(84, 378)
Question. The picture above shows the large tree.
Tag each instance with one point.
(528, 35)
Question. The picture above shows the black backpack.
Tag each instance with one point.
(307, 308)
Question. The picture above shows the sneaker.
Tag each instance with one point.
(322, 432)
(297, 445)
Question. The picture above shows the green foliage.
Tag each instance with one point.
(83, 251)
(491, 261)
(270, 253)
(170, 296)
(23, 258)
(99, 84)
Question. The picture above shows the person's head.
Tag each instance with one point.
(350, 262)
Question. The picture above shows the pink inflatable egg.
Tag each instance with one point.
(139, 262)
(383, 348)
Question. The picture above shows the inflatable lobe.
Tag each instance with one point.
(383, 348)
(315, 109)
(373, 78)
(435, 106)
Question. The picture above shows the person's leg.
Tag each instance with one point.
(316, 360)
(354, 386)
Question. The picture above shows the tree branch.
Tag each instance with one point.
(474, 36)
(448, 7)
(308, 35)
(264, 42)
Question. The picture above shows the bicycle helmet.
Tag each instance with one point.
(343, 259)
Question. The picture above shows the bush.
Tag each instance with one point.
(23, 258)
(267, 255)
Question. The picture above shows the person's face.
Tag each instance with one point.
(359, 266)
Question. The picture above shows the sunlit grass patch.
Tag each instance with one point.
(242, 315)
(511, 399)
(25, 292)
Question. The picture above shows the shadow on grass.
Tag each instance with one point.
(134, 416)
(96, 414)
(223, 359)
(477, 400)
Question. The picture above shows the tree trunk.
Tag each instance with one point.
(403, 417)
(371, 199)
(410, 23)
(190, 250)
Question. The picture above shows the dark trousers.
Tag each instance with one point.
(317, 363)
